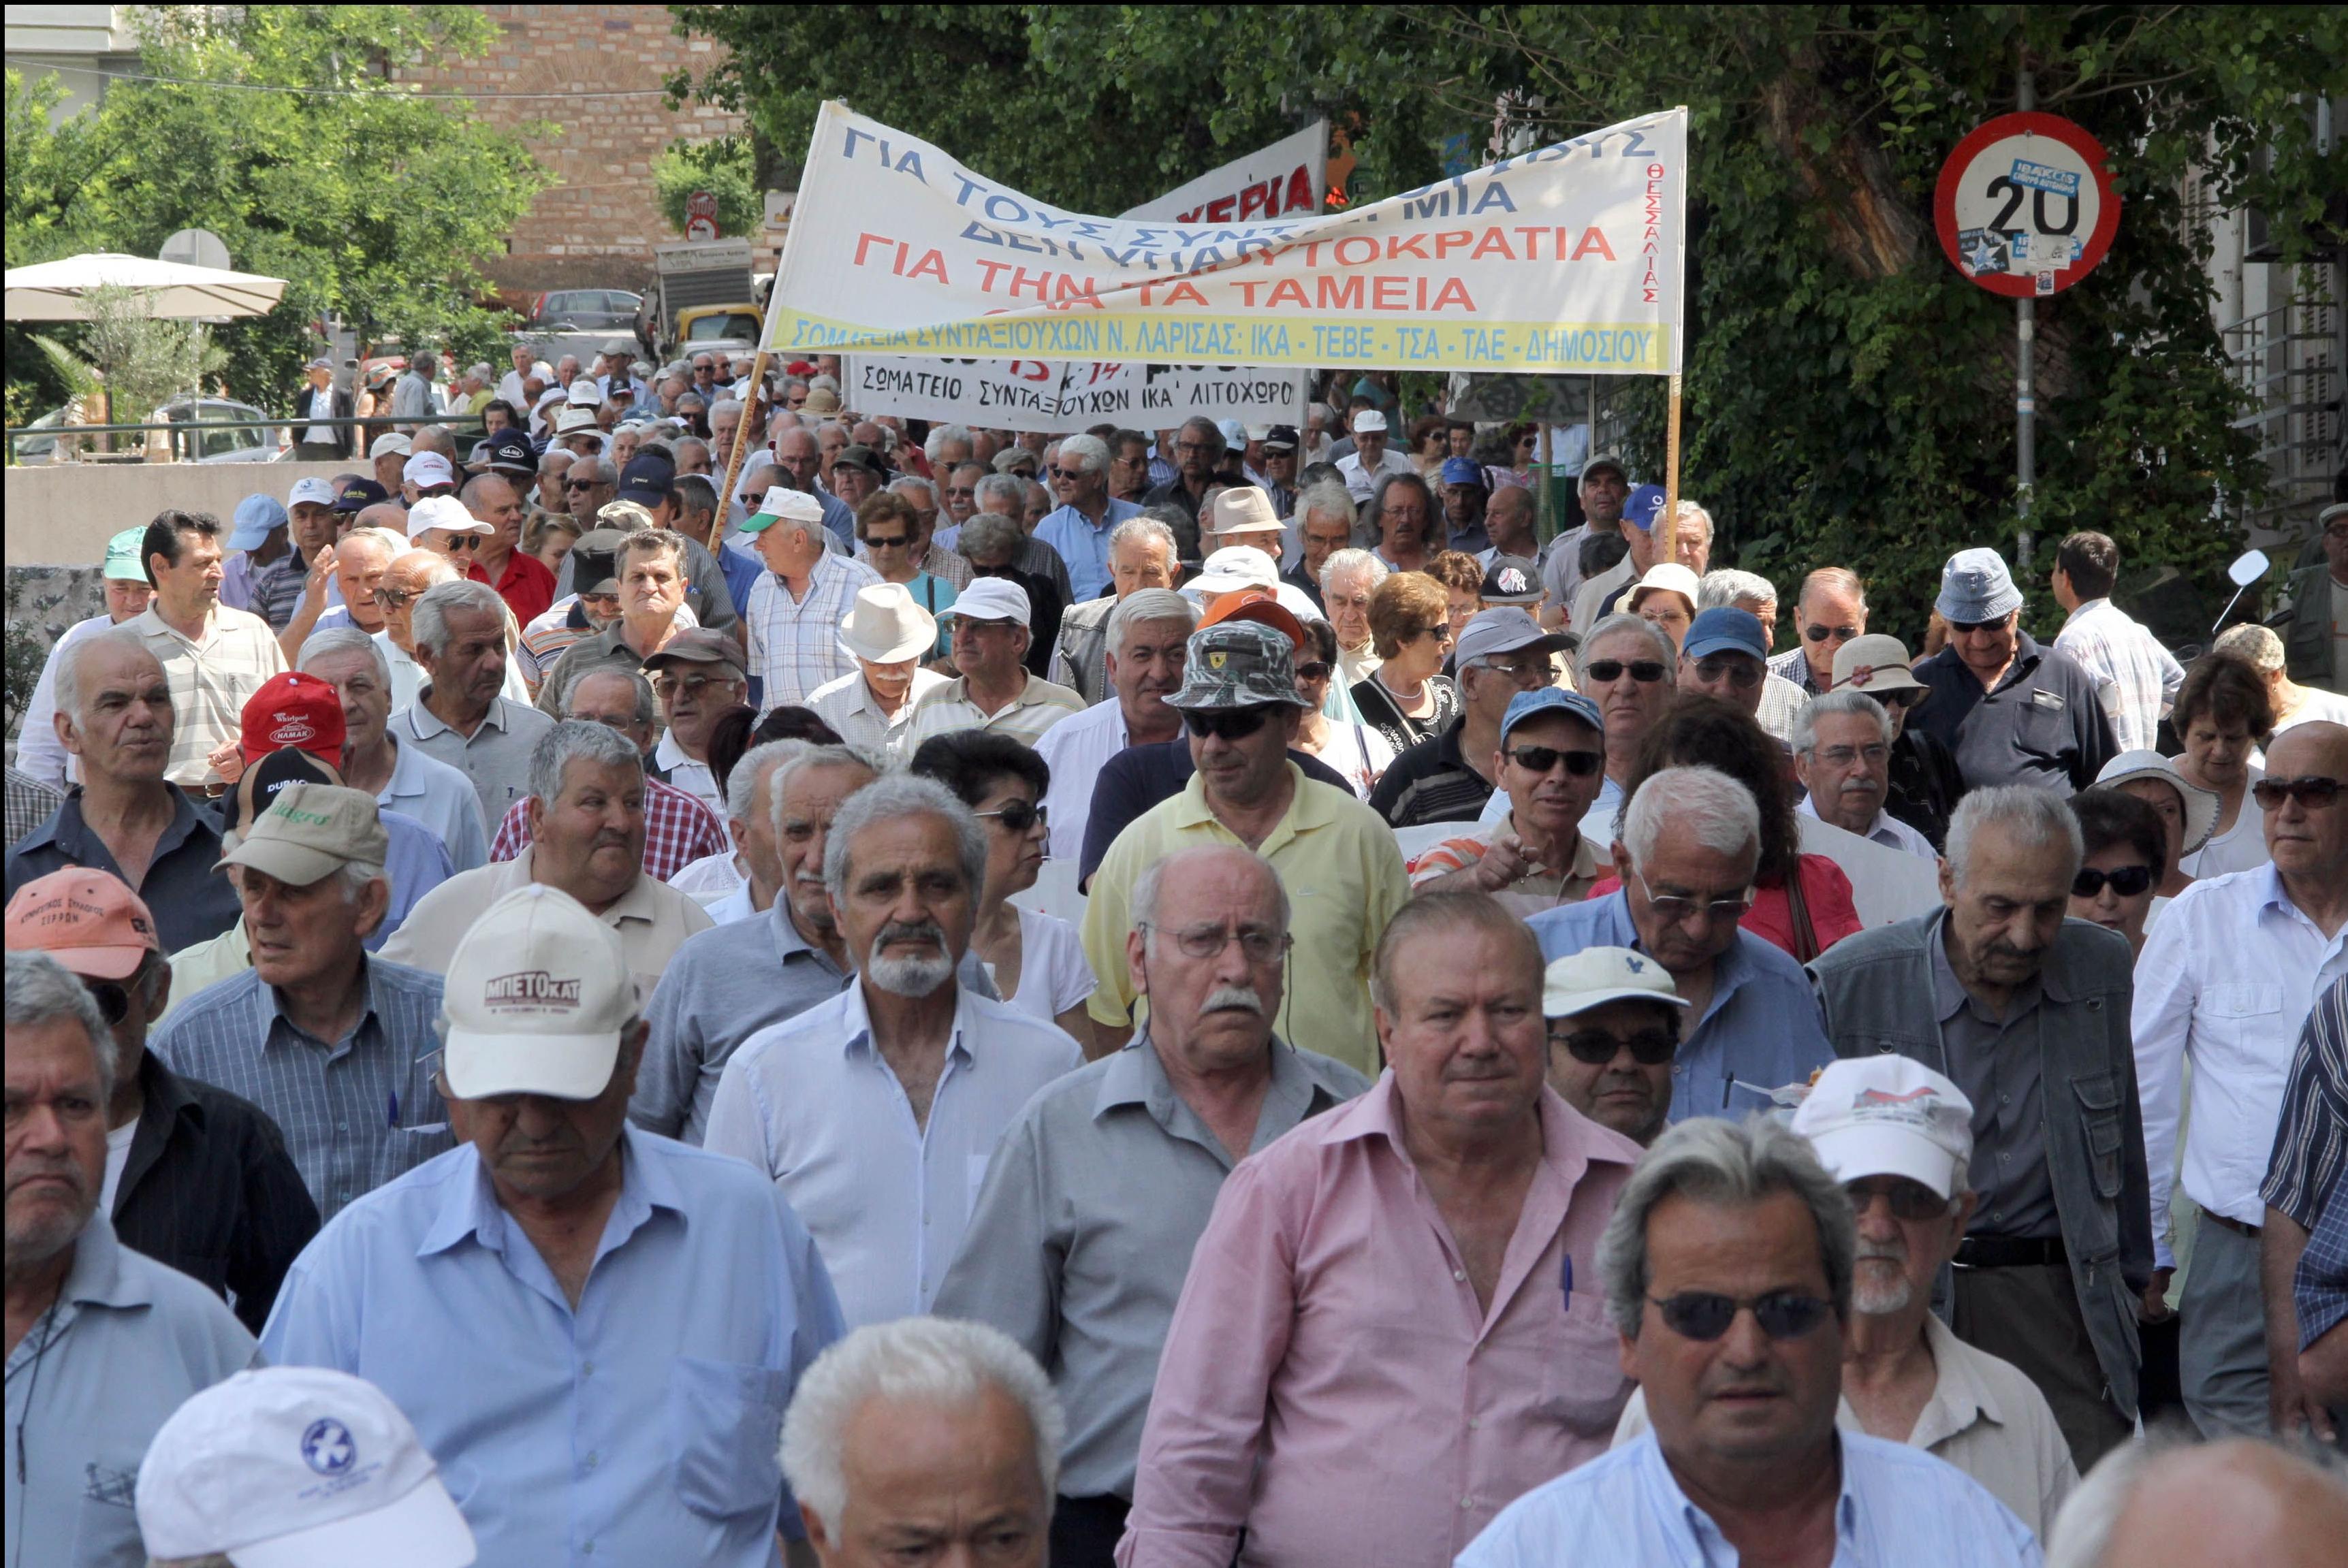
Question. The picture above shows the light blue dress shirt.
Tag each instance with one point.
(1900, 1507)
(88, 1386)
(1082, 546)
(444, 801)
(811, 1103)
(640, 1427)
(414, 862)
(1760, 1032)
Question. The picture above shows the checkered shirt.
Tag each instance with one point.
(795, 645)
(679, 830)
(2136, 678)
(30, 803)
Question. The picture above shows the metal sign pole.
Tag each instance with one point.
(2025, 399)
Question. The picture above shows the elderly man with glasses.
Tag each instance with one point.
(1842, 759)
(1830, 611)
(1546, 761)
(1624, 666)
(1500, 654)
(1080, 529)
(1691, 841)
(1923, 786)
(1729, 1269)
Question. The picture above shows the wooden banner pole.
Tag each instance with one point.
(1668, 525)
(752, 415)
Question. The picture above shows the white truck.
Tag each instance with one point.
(702, 296)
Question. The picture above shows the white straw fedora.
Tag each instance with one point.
(887, 626)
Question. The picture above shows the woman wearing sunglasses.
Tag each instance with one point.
(1036, 961)
(894, 542)
(2128, 852)
(1356, 751)
(1407, 699)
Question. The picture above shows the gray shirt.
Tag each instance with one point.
(92, 1381)
(495, 759)
(1084, 1229)
(1995, 1061)
(723, 986)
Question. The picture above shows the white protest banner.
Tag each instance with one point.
(1055, 397)
(1565, 259)
(1281, 181)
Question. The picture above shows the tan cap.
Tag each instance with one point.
(1244, 509)
(309, 830)
(1873, 664)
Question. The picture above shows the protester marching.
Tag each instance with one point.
(840, 952)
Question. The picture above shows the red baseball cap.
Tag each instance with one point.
(86, 921)
(1259, 605)
(294, 710)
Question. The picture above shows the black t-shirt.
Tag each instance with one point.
(1139, 777)
(1380, 712)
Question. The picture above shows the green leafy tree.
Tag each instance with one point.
(724, 168)
(1849, 396)
(276, 128)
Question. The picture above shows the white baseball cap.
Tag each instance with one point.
(538, 995)
(315, 491)
(286, 1467)
(1886, 1115)
(389, 441)
(782, 504)
(585, 394)
(991, 599)
(426, 468)
(1233, 568)
(1368, 419)
(443, 512)
(1593, 976)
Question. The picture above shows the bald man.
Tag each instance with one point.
(2239, 1503)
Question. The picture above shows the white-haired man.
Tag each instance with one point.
(875, 1113)
(1082, 1236)
(2028, 1012)
(519, 1297)
(1140, 555)
(1691, 838)
(464, 714)
(1079, 530)
(1842, 759)
(1146, 645)
(800, 599)
(888, 634)
(925, 1440)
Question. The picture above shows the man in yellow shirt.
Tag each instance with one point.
(1336, 858)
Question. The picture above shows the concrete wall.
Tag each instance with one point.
(62, 513)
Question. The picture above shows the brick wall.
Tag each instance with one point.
(596, 225)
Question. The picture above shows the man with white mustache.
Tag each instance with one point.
(1899, 1137)
(875, 1113)
(1080, 1240)
(1842, 758)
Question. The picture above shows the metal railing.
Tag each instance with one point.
(284, 425)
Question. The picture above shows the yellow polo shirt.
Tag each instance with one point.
(1345, 880)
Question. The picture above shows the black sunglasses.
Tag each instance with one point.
(1543, 759)
(2128, 881)
(2312, 792)
(899, 542)
(1910, 1201)
(1969, 626)
(1314, 670)
(1740, 674)
(1596, 1047)
(1705, 1315)
(112, 997)
(1839, 633)
(1646, 671)
(1017, 816)
(581, 484)
(464, 541)
(1231, 724)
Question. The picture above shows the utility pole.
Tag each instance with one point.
(2025, 399)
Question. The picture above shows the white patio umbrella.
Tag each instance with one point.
(52, 291)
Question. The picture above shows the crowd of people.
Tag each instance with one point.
(537, 1029)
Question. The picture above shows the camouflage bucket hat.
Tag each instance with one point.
(1237, 664)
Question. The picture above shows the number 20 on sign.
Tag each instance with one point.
(2025, 206)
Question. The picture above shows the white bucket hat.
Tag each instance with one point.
(887, 626)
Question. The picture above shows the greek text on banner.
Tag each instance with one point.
(1059, 396)
(1566, 259)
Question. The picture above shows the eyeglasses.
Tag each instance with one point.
(1960, 628)
(1911, 1201)
(392, 598)
(1676, 911)
(1900, 697)
(1703, 1315)
(2128, 881)
(1743, 673)
(1646, 671)
(2312, 792)
(1843, 756)
(1596, 1047)
(1017, 816)
(1526, 673)
(580, 484)
(1314, 670)
(1440, 631)
(1839, 633)
(691, 685)
(899, 543)
(1544, 759)
(112, 997)
(464, 541)
(1231, 724)
(1059, 472)
(1208, 941)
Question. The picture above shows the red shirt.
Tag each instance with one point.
(526, 586)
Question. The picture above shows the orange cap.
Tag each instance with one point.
(86, 921)
(1259, 605)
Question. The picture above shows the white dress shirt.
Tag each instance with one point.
(1363, 483)
(848, 706)
(2227, 978)
(1075, 750)
(694, 778)
(811, 1103)
(2136, 678)
(1887, 831)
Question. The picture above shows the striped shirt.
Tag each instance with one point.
(2136, 678)
(795, 643)
(211, 678)
(2311, 1146)
(678, 831)
(356, 1112)
(1793, 667)
(277, 589)
(1039, 705)
(1543, 887)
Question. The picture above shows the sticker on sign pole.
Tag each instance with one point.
(2025, 206)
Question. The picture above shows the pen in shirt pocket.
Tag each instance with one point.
(1565, 1279)
(391, 1115)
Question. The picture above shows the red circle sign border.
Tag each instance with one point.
(2070, 134)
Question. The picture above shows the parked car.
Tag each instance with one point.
(259, 441)
(584, 309)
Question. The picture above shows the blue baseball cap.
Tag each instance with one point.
(257, 517)
(1463, 471)
(1549, 700)
(1643, 506)
(1725, 630)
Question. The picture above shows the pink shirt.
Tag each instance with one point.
(1329, 1382)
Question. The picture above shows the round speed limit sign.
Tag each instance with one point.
(2026, 205)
